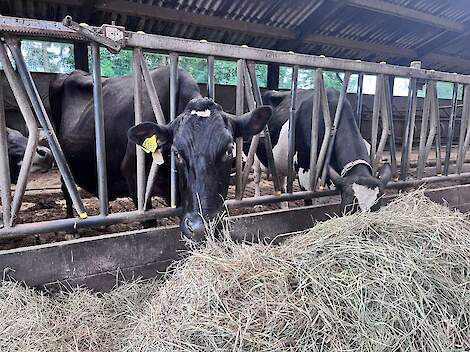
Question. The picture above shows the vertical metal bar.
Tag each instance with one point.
(46, 124)
(173, 112)
(464, 141)
(99, 131)
(291, 145)
(327, 121)
(451, 128)
(140, 156)
(210, 77)
(255, 93)
(427, 111)
(437, 117)
(391, 140)
(385, 126)
(239, 141)
(410, 119)
(338, 114)
(375, 117)
(5, 184)
(360, 98)
(151, 90)
(315, 125)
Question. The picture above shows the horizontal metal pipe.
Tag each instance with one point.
(133, 216)
(49, 29)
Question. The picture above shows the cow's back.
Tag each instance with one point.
(73, 115)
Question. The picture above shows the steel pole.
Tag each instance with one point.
(451, 128)
(5, 184)
(210, 78)
(240, 98)
(291, 145)
(140, 155)
(100, 142)
(173, 112)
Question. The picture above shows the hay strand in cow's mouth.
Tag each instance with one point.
(398, 279)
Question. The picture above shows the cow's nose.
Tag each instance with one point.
(42, 160)
(193, 227)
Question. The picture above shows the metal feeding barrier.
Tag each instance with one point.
(116, 38)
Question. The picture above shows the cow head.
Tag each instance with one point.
(42, 158)
(203, 140)
(361, 193)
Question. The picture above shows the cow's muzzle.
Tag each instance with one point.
(193, 227)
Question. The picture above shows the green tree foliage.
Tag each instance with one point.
(48, 56)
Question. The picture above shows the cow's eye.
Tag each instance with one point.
(229, 151)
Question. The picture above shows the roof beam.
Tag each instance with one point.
(171, 15)
(407, 13)
(359, 45)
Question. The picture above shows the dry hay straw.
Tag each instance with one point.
(394, 280)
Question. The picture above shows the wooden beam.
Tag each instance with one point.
(407, 13)
(176, 16)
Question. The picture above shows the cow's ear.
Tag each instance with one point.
(336, 178)
(143, 133)
(252, 122)
(385, 174)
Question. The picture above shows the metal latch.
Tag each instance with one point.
(110, 36)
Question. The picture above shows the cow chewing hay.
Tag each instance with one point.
(397, 279)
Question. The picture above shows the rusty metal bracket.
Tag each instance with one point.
(110, 36)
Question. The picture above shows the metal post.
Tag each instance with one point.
(391, 136)
(338, 114)
(315, 125)
(255, 94)
(291, 146)
(428, 118)
(5, 184)
(239, 141)
(360, 98)
(438, 134)
(151, 90)
(327, 121)
(385, 125)
(410, 119)
(99, 131)
(375, 118)
(173, 112)
(140, 156)
(463, 142)
(210, 77)
(451, 127)
(46, 124)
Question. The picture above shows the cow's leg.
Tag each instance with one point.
(69, 209)
(283, 180)
(68, 199)
(257, 176)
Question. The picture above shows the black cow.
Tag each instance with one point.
(42, 159)
(350, 168)
(202, 137)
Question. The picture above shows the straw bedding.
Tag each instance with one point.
(396, 280)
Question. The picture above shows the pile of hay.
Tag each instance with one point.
(398, 279)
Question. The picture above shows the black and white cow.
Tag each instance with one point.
(42, 159)
(202, 137)
(350, 168)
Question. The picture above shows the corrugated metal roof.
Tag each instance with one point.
(330, 18)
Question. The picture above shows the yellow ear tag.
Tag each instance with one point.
(150, 144)
(83, 215)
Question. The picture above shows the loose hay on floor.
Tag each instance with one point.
(398, 279)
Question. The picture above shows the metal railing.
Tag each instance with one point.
(247, 89)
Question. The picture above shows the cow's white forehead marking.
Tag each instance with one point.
(201, 113)
(365, 196)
